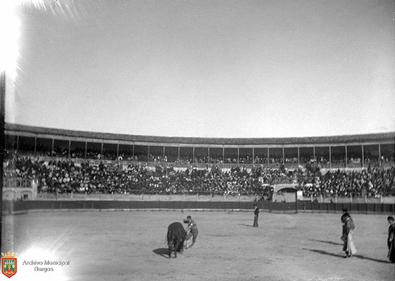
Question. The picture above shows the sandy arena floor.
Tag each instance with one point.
(130, 245)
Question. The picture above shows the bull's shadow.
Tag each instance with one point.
(163, 252)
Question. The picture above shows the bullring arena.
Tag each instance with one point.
(130, 245)
(95, 206)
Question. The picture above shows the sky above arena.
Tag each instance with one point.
(217, 68)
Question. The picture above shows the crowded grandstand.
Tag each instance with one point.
(59, 165)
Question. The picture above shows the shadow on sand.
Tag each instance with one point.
(370, 259)
(163, 252)
(324, 253)
(342, 256)
(328, 242)
(243, 224)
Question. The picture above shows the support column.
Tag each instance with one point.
(223, 154)
(238, 155)
(268, 155)
(35, 145)
(314, 153)
(163, 152)
(362, 156)
(101, 149)
(178, 154)
(117, 150)
(253, 155)
(69, 149)
(52, 146)
(380, 153)
(86, 149)
(345, 149)
(298, 156)
(330, 157)
(208, 155)
(283, 155)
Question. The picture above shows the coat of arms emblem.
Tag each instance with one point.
(8, 264)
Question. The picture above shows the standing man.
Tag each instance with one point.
(192, 231)
(391, 239)
(348, 227)
(256, 215)
(345, 214)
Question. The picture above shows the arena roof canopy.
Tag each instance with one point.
(18, 129)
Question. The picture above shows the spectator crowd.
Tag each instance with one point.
(59, 175)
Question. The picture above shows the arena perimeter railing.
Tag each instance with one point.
(204, 196)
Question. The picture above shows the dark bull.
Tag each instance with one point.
(175, 238)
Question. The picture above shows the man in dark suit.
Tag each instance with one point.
(391, 239)
(256, 215)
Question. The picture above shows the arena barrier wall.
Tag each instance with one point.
(10, 207)
(366, 208)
